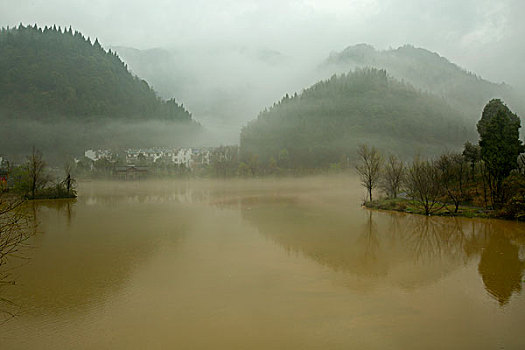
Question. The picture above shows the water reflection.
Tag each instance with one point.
(369, 241)
(431, 238)
(155, 264)
(61, 207)
(81, 254)
(400, 249)
(500, 268)
(139, 193)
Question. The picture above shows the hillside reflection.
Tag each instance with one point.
(408, 251)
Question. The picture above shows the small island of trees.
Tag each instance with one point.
(33, 180)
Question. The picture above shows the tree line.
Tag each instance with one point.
(33, 179)
(490, 174)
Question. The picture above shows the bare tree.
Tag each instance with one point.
(453, 176)
(35, 167)
(11, 220)
(69, 181)
(423, 184)
(369, 167)
(393, 176)
(14, 230)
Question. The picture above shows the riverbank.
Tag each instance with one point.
(412, 207)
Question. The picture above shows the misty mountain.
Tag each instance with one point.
(63, 89)
(325, 123)
(426, 70)
(164, 69)
(180, 71)
(225, 86)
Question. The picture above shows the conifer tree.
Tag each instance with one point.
(499, 144)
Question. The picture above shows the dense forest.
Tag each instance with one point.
(56, 82)
(426, 70)
(323, 125)
(49, 72)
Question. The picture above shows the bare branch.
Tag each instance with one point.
(369, 167)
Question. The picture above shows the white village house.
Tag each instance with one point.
(189, 157)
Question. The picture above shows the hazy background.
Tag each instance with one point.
(227, 60)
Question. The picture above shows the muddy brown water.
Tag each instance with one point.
(260, 264)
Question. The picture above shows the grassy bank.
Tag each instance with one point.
(412, 207)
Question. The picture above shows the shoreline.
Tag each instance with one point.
(411, 207)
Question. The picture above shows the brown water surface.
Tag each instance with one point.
(261, 264)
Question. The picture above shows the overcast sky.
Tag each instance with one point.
(484, 36)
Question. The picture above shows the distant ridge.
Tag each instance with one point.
(426, 70)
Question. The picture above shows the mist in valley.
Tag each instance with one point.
(226, 61)
(224, 86)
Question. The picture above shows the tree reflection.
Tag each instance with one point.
(500, 268)
(61, 206)
(407, 250)
(431, 238)
(369, 262)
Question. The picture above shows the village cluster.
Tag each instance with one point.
(135, 162)
(187, 157)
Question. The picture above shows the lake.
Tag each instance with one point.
(260, 264)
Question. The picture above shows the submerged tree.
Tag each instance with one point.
(499, 144)
(69, 182)
(423, 185)
(31, 177)
(393, 176)
(369, 167)
(34, 170)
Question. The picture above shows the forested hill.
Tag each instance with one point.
(63, 93)
(324, 124)
(50, 72)
(426, 70)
